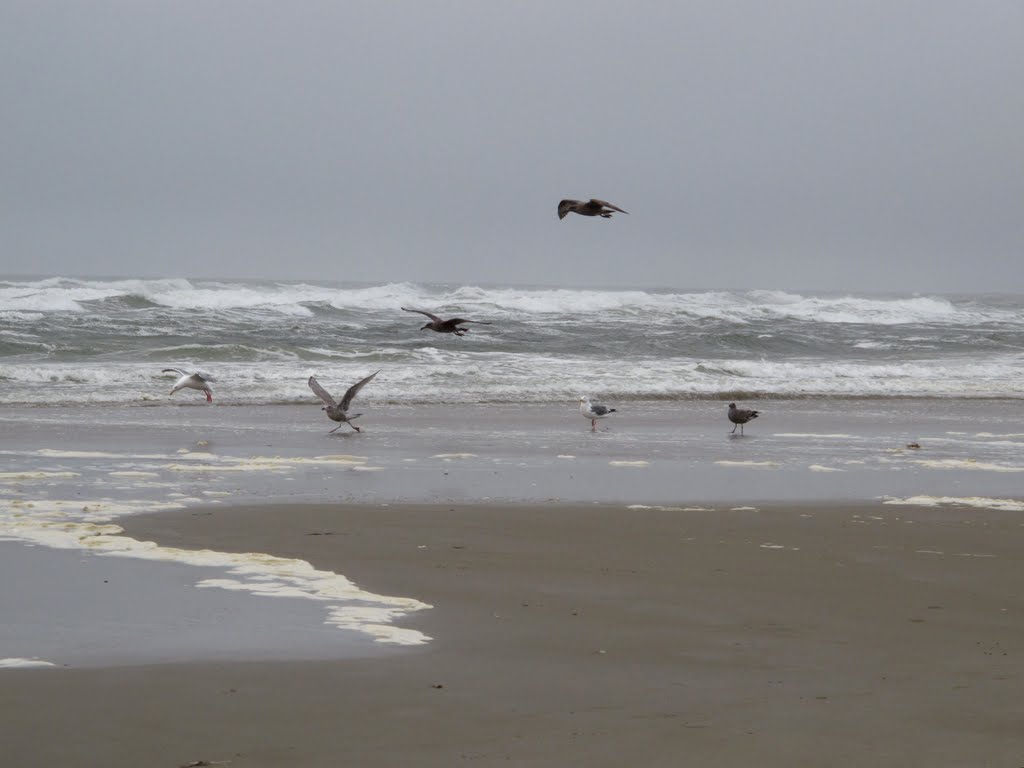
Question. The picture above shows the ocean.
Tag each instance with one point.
(83, 341)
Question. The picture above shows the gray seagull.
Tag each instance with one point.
(339, 411)
(200, 381)
(445, 326)
(592, 207)
(740, 416)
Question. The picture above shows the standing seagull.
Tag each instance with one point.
(740, 416)
(191, 381)
(338, 411)
(592, 207)
(593, 412)
(445, 326)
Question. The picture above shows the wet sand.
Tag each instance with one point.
(840, 635)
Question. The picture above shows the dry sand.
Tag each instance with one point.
(593, 636)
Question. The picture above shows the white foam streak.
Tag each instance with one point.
(981, 502)
(429, 374)
(67, 294)
(18, 663)
(66, 524)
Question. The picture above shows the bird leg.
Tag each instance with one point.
(734, 429)
(593, 425)
(209, 395)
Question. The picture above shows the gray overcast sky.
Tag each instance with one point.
(827, 145)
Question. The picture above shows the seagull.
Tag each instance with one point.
(338, 411)
(191, 381)
(740, 416)
(592, 207)
(445, 326)
(593, 412)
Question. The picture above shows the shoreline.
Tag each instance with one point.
(593, 635)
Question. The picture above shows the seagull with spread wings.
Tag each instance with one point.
(445, 326)
(592, 207)
(339, 411)
(200, 381)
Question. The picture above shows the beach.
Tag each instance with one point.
(500, 585)
(590, 635)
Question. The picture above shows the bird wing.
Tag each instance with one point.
(603, 204)
(321, 392)
(600, 410)
(177, 371)
(435, 318)
(458, 320)
(565, 206)
(354, 390)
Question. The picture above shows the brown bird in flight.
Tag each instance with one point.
(339, 411)
(592, 207)
(445, 326)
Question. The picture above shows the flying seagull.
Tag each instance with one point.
(445, 326)
(740, 416)
(593, 412)
(339, 411)
(591, 207)
(188, 380)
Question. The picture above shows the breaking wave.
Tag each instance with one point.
(105, 341)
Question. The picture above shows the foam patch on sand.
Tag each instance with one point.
(656, 507)
(34, 475)
(981, 502)
(628, 463)
(836, 436)
(74, 524)
(966, 464)
(16, 663)
(727, 463)
(265, 463)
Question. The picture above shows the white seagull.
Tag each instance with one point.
(593, 412)
(200, 381)
(339, 411)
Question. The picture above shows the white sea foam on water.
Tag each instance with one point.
(7, 477)
(971, 464)
(820, 468)
(624, 463)
(17, 663)
(88, 525)
(762, 464)
(1011, 505)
